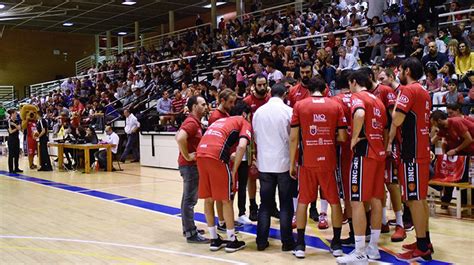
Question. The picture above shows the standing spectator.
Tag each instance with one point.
(13, 142)
(188, 137)
(434, 58)
(414, 101)
(131, 129)
(320, 121)
(271, 124)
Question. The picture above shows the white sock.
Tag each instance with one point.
(360, 244)
(324, 206)
(399, 218)
(374, 238)
(231, 234)
(384, 215)
(295, 203)
(221, 223)
(212, 232)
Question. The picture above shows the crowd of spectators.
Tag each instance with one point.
(269, 47)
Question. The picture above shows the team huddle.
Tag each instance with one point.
(348, 147)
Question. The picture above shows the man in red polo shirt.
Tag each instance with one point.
(257, 98)
(369, 120)
(188, 137)
(216, 179)
(320, 120)
(458, 132)
(412, 114)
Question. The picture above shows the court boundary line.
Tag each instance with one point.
(81, 241)
(311, 241)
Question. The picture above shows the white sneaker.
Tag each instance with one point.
(299, 251)
(373, 252)
(353, 258)
(243, 219)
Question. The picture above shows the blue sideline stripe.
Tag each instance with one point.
(172, 211)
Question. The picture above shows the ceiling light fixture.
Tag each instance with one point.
(129, 2)
(217, 4)
(2, 6)
(121, 33)
(68, 24)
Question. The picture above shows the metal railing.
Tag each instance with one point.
(155, 41)
(7, 93)
(279, 10)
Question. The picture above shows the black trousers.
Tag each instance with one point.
(243, 173)
(286, 190)
(45, 161)
(13, 154)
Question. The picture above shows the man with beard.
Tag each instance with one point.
(300, 91)
(412, 112)
(257, 98)
(434, 58)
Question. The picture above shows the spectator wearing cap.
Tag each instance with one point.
(271, 125)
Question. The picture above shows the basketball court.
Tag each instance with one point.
(132, 217)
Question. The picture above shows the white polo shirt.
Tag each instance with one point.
(113, 138)
(131, 123)
(271, 125)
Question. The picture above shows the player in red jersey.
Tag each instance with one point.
(317, 119)
(258, 96)
(369, 120)
(300, 91)
(216, 179)
(459, 133)
(388, 93)
(188, 137)
(344, 153)
(412, 114)
(226, 99)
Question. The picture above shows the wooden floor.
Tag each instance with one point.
(132, 217)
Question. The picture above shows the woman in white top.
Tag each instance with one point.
(351, 48)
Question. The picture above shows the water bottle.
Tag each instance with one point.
(432, 205)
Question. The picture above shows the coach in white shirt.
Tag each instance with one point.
(111, 138)
(271, 125)
(131, 129)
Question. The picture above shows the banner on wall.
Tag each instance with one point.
(449, 168)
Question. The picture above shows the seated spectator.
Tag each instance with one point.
(453, 96)
(447, 72)
(217, 81)
(274, 75)
(111, 138)
(391, 60)
(372, 40)
(415, 49)
(177, 107)
(434, 58)
(163, 107)
(433, 83)
(465, 60)
(346, 60)
(389, 39)
(440, 45)
(453, 50)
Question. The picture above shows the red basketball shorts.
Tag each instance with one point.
(32, 146)
(366, 179)
(215, 179)
(414, 179)
(309, 180)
